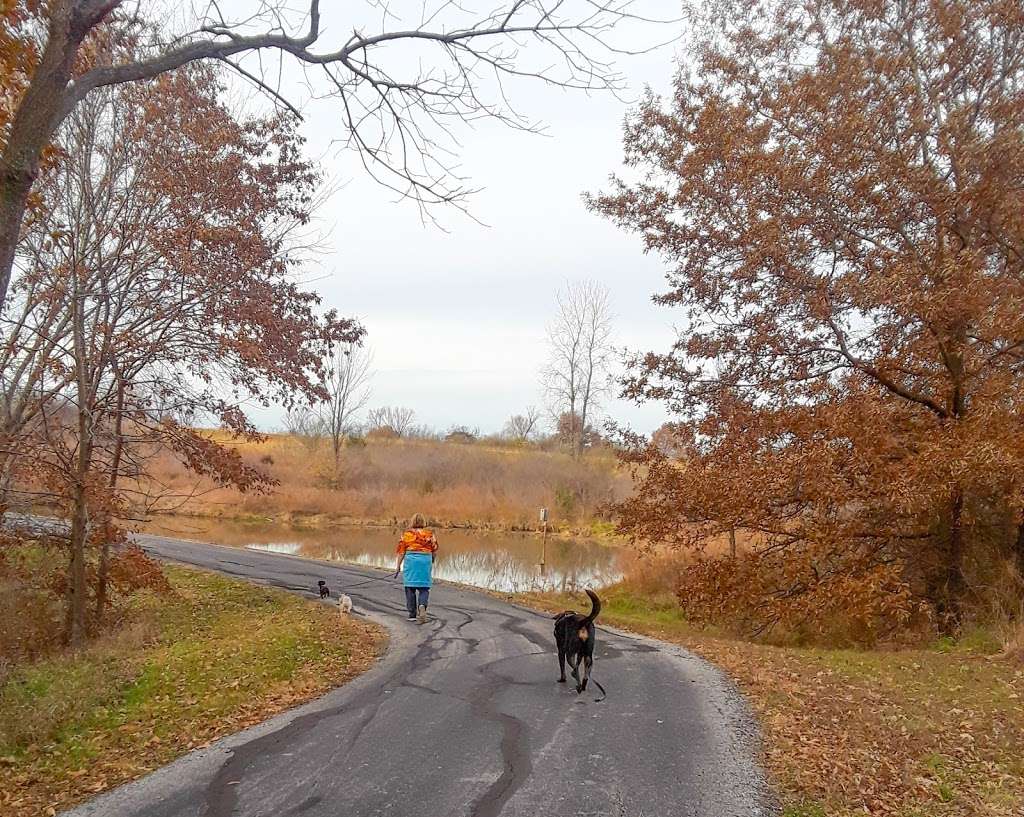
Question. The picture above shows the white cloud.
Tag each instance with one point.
(456, 319)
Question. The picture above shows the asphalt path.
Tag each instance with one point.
(463, 716)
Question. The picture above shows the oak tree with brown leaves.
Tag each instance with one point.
(838, 190)
(157, 295)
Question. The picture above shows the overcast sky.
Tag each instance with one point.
(456, 317)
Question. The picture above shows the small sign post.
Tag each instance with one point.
(544, 539)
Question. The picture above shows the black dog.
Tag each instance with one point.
(325, 591)
(574, 635)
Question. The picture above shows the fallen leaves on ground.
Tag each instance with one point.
(218, 667)
(902, 733)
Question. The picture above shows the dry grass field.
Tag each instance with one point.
(477, 484)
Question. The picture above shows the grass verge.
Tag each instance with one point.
(908, 733)
(215, 656)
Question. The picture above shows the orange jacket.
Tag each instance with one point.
(417, 540)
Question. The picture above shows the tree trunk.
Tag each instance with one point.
(1018, 550)
(41, 110)
(574, 434)
(5, 475)
(585, 408)
(79, 535)
(79, 487)
(14, 190)
(954, 584)
(102, 574)
(115, 467)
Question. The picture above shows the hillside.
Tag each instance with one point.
(457, 484)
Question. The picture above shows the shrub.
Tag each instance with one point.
(565, 501)
(131, 570)
(801, 599)
(33, 591)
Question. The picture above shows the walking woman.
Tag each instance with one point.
(417, 551)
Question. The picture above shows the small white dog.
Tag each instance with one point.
(344, 604)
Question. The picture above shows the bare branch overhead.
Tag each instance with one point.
(400, 90)
(395, 116)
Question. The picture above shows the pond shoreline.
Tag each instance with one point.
(500, 560)
(597, 531)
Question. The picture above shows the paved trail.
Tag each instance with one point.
(463, 717)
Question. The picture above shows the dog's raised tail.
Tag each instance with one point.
(595, 607)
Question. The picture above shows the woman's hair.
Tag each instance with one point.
(417, 521)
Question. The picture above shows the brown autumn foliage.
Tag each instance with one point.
(838, 190)
(156, 290)
(34, 588)
(16, 56)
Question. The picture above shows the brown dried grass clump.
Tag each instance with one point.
(1015, 645)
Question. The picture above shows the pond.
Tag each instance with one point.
(502, 561)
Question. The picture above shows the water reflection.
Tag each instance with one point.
(507, 562)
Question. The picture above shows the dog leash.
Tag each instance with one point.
(598, 685)
(372, 579)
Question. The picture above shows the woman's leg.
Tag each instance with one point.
(421, 611)
(410, 601)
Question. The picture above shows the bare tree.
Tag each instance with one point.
(397, 113)
(521, 426)
(396, 419)
(580, 350)
(304, 424)
(348, 391)
(462, 434)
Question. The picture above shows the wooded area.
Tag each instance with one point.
(837, 188)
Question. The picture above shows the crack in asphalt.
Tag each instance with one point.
(306, 805)
(221, 795)
(514, 747)
(515, 738)
(424, 661)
